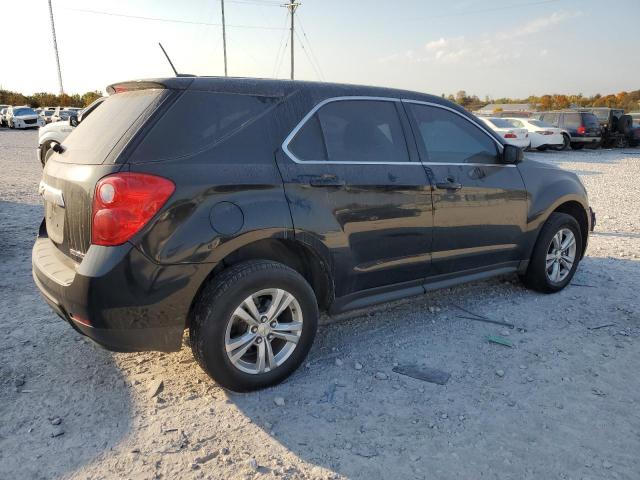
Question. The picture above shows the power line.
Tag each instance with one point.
(313, 55)
(309, 57)
(170, 20)
(281, 49)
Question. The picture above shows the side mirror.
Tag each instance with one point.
(512, 155)
(73, 121)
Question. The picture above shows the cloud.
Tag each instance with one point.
(488, 49)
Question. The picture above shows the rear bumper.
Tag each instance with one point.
(117, 297)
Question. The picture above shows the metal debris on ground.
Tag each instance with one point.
(425, 374)
(602, 326)
(482, 318)
(500, 340)
(582, 285)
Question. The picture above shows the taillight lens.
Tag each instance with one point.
(547, 132)
(582, 130)
(510, 135)
(123, 203)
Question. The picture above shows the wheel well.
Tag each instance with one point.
(577, 211)
(288, 252)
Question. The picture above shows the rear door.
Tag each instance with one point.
(89, 153)
(356, 187)
(480, 204)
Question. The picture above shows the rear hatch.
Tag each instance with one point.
(591, 125)
(94, 149)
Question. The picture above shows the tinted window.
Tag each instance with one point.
(97, 136)
(450, 138)
(198, 120)
(572, 120)
(24, 111)
(590, 120)
(501, 122)
(540, 123)
(308, 143)
(517, 123)
(362, 131)
(551, 118)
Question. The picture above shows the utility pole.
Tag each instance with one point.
(292, 6)
(224, 39)
(55, 47)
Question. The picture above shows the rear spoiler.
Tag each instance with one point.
(176, 83)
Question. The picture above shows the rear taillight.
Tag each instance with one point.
(547, 132)
(510, 135)
(582, 130)
(123, 203)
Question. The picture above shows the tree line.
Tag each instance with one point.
(44, 99)
(629, 101)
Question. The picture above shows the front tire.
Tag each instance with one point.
(556, 254)
(253, 325)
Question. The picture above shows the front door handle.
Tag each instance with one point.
(326, 180)
(450, 184)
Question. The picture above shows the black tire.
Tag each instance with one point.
(214, 310)
(566, 141)
(542, 148)
(536, 276)
(577, 146)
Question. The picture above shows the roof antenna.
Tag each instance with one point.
(169, 60)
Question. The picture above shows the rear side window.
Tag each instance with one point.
(363, 131)
(449, 138)
(551, 118)
(360, 131)
(96, 136)
(197, 121)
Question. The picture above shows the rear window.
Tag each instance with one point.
(540, 123)
(590, 120)
(197, 121)
(95, 137)
(502, 123)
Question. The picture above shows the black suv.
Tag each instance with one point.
(617, 128)
(578, 128)
(239, 209)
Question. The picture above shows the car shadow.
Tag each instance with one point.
(347, 411)
(63, 400)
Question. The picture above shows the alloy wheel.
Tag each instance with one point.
(561, 255)
(263, 331)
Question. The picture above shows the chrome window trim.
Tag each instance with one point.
(318, 106)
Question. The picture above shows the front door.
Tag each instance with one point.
(356, 188)
(480, 204)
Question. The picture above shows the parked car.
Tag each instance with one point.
(61, 113)
(23, 117)
(541, 134)
(509, 131)
(46, 115)
(3, 116)
(52, 135)
(578, 128)
(293, 198)
(635, 128)
(617, 128)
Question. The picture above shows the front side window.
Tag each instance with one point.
(360, 131)
(449, 138)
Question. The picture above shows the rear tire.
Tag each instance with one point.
(541, 274)
(566, 141)
(542, 148)
(233, 326)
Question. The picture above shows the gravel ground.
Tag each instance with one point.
(561, 403)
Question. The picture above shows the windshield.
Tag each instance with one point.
(540, 123)
(48, 113)
(502, 122)
(24, 111)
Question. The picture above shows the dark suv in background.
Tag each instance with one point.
(240, 208)
(578, 128)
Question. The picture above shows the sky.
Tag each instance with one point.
(494, 48)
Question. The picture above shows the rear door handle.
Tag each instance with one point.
(450, 184)
(327, 180)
